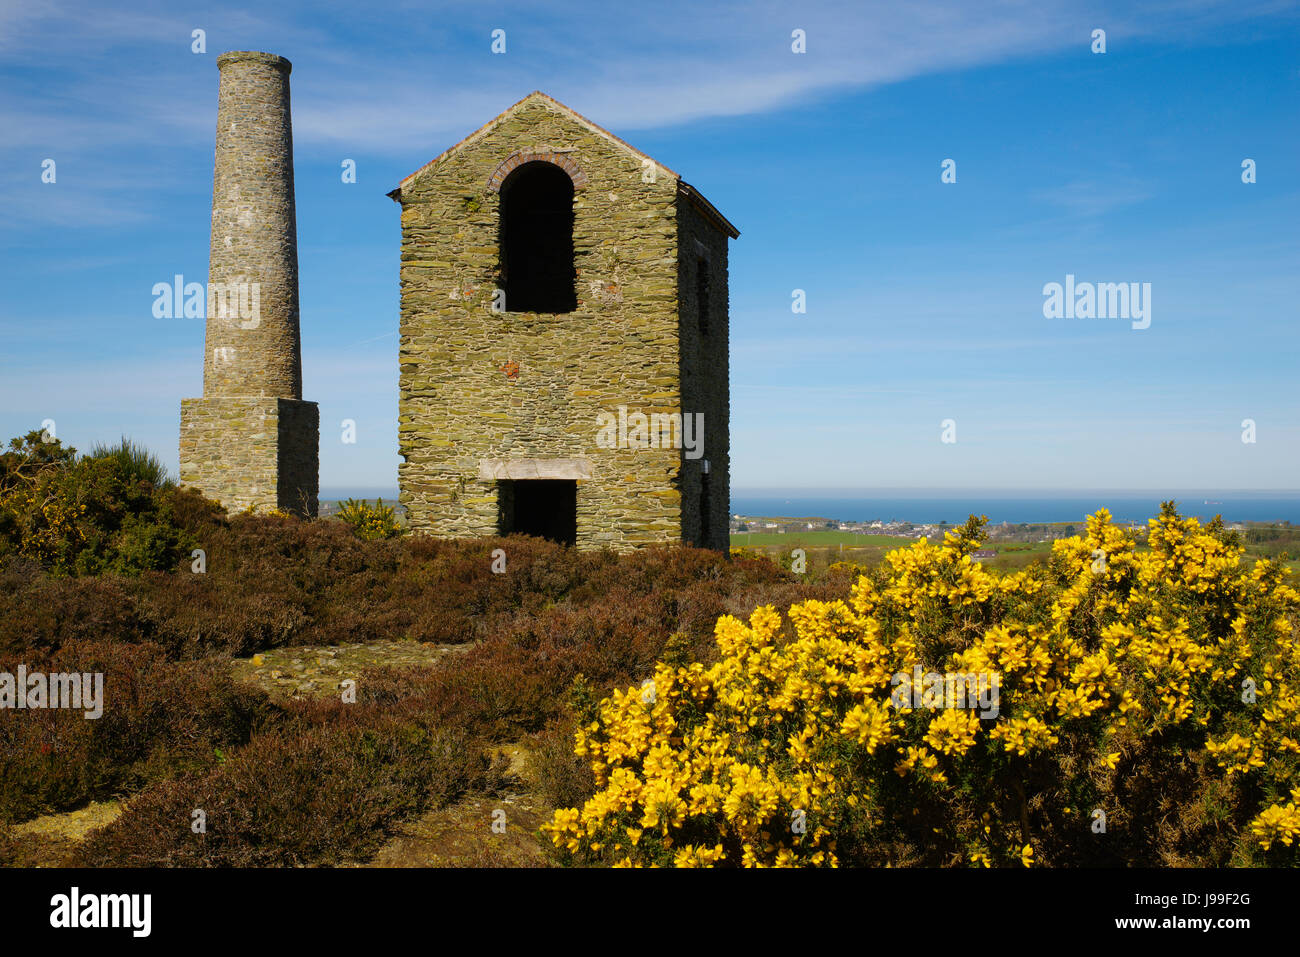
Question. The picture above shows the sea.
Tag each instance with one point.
(389, 495)
(1001, 505)
(930, 506)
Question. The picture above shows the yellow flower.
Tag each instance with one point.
(782, 747)
(1277, 823)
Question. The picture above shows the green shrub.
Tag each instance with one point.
(114, 510)
(134, 462)
(30, 455)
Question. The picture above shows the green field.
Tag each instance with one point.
(818, 537)
(826, 546)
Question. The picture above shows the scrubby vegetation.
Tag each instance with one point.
(1148, 714)
(176, 731)
(113, 510)
(1122, 689)
(326, 787)
(160, 718)
(370, 522)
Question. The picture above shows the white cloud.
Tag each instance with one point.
(627, 66)
(1093, 197)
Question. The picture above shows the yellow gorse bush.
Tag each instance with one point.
(371, 522)
(47, 522)
(1148, 713)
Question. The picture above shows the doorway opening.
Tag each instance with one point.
(547, 508)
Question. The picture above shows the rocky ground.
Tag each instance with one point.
(310, 671)
(47, 840)
(478, 831)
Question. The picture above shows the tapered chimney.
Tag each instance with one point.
(251, 441)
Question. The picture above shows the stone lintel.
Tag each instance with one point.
(490, 469)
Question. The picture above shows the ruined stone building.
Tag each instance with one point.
(564, 332)
(251, 440)
(564, 335)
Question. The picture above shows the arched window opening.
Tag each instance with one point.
(536, 239)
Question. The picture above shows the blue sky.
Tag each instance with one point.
(925, 299)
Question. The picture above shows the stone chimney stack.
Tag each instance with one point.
(251, 440)
(254, 231)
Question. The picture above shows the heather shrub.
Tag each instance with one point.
(14, 851)
(192, 616)
(158, 718)
(563, 778)
(514, 681)
(325, 793)
(1158, 688)
(39, 612)
(518, 679)
(192, 512)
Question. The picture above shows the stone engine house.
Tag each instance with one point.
(564, 336)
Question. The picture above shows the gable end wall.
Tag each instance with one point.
(459, 404)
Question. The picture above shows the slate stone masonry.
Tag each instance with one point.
(492, 395)
(251, 440)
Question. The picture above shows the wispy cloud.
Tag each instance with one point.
(391, 95)
(925, 304)
(396, 83)
(1094, 197)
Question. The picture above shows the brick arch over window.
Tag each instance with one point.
(512, 162)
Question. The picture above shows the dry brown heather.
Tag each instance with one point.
(251, 440)
(632, 341)
(452, 660)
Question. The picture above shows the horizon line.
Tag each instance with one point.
(1005, 490)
